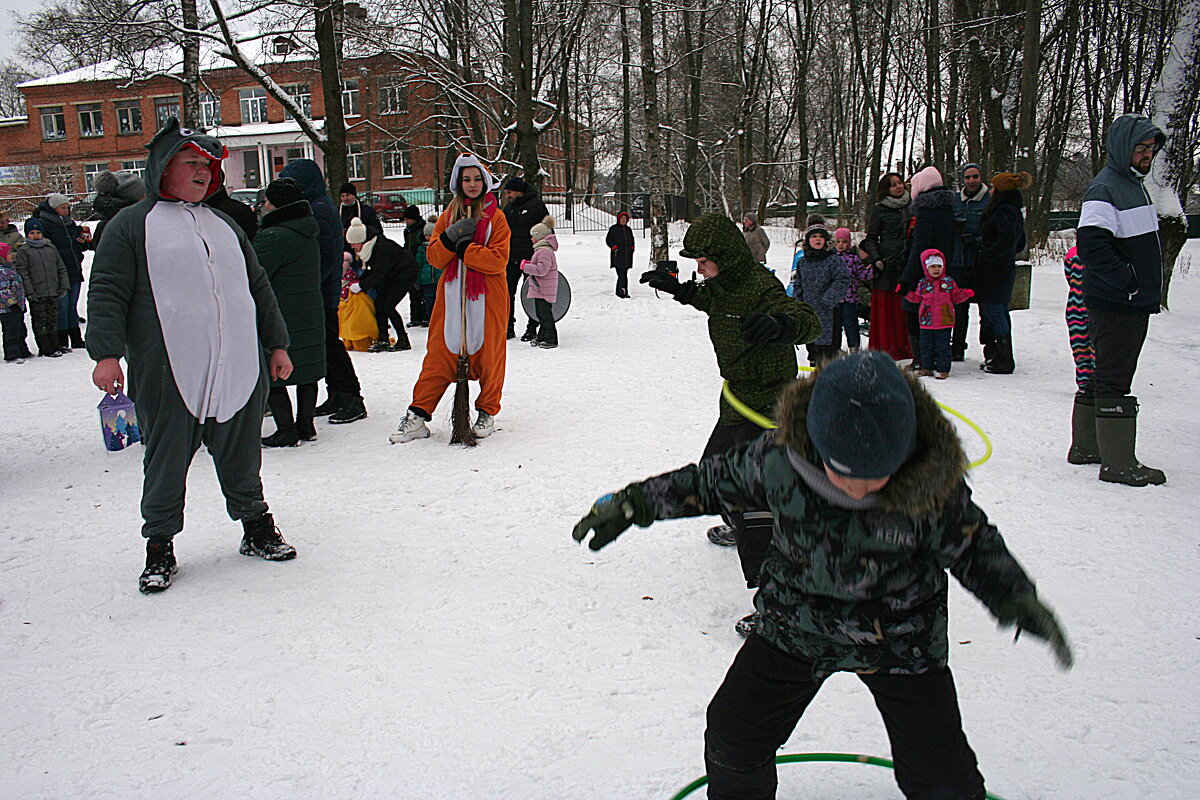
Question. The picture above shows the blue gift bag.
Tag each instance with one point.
(118, 421)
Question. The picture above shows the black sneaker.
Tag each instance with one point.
(400, 346)
(261, 538)
(353, 411)
(747, 624)
(160, 565)
(528, 336)
(722, 535)
(282, 439)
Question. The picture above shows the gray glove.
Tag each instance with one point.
(463, 230)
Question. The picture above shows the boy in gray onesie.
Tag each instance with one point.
(176, 289)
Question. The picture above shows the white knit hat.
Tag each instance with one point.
(55, 199)
(357, 232)
(542, 229)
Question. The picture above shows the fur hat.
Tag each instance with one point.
(123, 185)
(348, 188)
(814, 219)
(283, 191)
(34, 224)
(357, 232)
(542, 229)
(411, 212)
(1006, 181)
(862, 418)
(928, 178)
(56, 199)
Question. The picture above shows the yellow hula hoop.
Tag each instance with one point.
(768, 423)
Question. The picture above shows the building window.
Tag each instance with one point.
(210, 111)
(393, 96)
(350, 98)
(282, 45)
(303, 97)
(91, 123)
(90, 171)
(397, 161)
(129, 117)
(54, 123)
(137, 167)
(254, 105)
(355, 162)
(59, 178)
(164, 109)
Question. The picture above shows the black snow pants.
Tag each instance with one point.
(755, 527)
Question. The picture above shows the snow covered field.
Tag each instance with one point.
(441, 636)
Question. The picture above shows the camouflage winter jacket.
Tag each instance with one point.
(757, 373)
(854, 585)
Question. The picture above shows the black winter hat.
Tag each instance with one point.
(862, 418)
(413, 213)
(348, 188)
(284, 191)
(516, 185)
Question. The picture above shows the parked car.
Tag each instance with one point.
(251, 197)
(389, 205)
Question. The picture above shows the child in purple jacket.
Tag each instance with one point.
(848, 310)
(542, 269)
(936, 294)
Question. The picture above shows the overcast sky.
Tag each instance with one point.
(8, 24)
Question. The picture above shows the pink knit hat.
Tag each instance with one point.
(842, 233)
(927, 178)
(4, 251)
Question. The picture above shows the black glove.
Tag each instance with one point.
(461, 250)
(611, 515)
(666, 282)
(1028, 614)
(447, 242)
(761, 328)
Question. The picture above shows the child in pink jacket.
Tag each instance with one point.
(936, 294)
(542, 269)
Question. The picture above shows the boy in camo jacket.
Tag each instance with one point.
(865, 480)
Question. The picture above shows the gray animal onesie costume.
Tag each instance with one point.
(177, 290)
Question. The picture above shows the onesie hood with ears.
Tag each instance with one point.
(170, 139)
(470, 160)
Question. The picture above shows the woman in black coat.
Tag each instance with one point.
(886, 245)
(621, 245)
(1001, 237)
(934, 228)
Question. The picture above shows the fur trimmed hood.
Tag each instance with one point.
(924, 483)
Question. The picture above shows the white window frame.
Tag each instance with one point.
(356, 162)
(397, 161)
(302, 98)
(210, 111)
(393, 96)
(91, 120)
(54, 123)
(60, 178)
(90, 171)
(171, 106)
(253, 103)
(129, 112)
(350, 105)
(137, 166)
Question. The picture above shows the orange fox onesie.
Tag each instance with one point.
(486, 315)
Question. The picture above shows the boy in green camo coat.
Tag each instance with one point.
(754, 327)
(865, 479)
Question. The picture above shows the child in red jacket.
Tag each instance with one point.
(936, 294)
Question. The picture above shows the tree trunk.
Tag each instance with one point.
(654, 157)
(191, 66)
(626, 111)
(329, 56)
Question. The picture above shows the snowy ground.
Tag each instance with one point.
(441, 636)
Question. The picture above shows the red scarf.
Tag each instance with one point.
(476, 286)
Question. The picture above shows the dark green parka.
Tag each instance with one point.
(854, 585)
(757, 373)
(287, 248)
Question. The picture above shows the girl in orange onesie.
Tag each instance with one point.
(470, 244)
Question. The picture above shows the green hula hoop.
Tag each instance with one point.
(821, 757)
(768, 423)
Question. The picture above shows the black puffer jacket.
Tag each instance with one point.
(241, 213)
(887, 241)
(62, 232)
(522, 214)
(1001, 237)
(389, 265)
(934, 229)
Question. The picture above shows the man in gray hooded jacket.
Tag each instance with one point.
(1122, 286)
(177, 291)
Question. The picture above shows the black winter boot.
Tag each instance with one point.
(914, 344)
(64, 342)
(1002, 363)
(47, 345)
(76, 337)
(160, 565)
(530, 332)
(1084, 447)
(263, 539)
(285, 434)
(336, 401)
(306, 401)
(353, 411)
(1116, 432)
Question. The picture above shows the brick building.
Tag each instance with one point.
(82, 122)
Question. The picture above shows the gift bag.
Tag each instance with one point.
(118, 422)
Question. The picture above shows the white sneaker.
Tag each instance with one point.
(411, 427)
(485, 425)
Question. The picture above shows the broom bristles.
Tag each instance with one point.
(462, 431)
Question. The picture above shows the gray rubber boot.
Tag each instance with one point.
(1116, 432)
(1084, 447)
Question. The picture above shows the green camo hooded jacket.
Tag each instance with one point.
(848, 588)
(757, 373)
